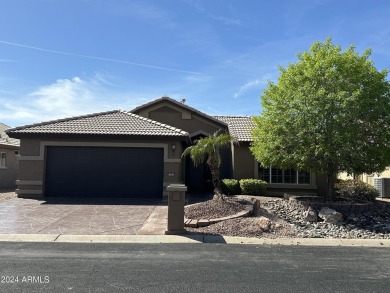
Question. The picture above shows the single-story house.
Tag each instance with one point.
(137, 153)
(9, 151)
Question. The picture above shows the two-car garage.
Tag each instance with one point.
(114, 154)
(120, 172)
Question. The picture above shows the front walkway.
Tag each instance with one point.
(83, 217)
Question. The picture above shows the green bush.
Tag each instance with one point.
(253, 186)
(230, 187)
(356, 190)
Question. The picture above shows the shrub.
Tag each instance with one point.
(230, 186)
(253, 186)
(356, 190)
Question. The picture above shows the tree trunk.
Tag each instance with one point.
(330, 194)
(214, 169)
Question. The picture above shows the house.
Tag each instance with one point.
(367, 178)
(9, 151)
(137, 153)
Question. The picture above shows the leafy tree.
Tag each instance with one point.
(208, 150)
(328, 113)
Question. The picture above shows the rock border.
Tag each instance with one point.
(197, 223)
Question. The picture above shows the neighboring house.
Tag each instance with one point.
(367, 178)
(138, 153)
(9, 150)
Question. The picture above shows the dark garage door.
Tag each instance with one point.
(104, 172)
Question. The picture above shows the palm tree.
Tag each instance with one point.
(207, 149)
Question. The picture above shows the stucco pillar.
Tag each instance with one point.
(176, 199)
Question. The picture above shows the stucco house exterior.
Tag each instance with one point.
(137, 153)
(367, 178)
(9, 151)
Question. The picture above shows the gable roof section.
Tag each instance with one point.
(5, 140)
(180, 105)
(106, 123)
(240, 127)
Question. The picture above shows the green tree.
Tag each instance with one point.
(328, 113)
(208, 150)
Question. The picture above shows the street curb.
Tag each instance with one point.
(192, 239)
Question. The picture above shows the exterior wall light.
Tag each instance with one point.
(173, 148)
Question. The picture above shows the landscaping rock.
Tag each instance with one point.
(265, 224)
(330, 216)
(288, 221)
(310, 215)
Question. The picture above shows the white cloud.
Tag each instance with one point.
(251, 84)
(66, 98)
(64, 94)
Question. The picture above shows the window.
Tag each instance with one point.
(279, 176)
(2, 160)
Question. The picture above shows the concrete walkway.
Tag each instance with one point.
(194, 239)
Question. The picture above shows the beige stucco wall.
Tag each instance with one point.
(32, 158)
(188, 121)
(243, 161)
(9, 174)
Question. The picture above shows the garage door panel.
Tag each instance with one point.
(104, 172)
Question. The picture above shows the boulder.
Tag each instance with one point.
(330, 216)
(310, 215)
(264, 224)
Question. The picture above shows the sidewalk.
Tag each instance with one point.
(190, 238)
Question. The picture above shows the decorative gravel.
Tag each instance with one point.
(6, 195)
(368, 225)
(213, 209)
(288, 222)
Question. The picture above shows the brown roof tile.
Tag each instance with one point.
(240, 127)
(107, 123)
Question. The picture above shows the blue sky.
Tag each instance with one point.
(61, 58)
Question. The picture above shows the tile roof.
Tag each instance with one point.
(181, 105)
(5, 140)
(240, 127)
(107, 123)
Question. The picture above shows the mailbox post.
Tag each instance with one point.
(176, 200)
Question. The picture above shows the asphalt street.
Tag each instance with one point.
(80, 267)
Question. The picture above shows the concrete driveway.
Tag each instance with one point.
(83, 217)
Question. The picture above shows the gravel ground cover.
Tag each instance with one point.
(6, 195)
(217, 208)
(286, 221)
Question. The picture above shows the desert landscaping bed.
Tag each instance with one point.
(277, 218)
